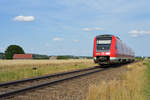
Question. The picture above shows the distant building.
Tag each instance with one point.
(53, 58)
(22, 56)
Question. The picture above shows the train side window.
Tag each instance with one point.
(116, 44)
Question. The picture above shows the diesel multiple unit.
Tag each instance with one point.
(110, 49)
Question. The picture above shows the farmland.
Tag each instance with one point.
(19, 69)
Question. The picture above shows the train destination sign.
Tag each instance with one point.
(103, 42)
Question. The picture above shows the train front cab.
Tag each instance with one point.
(104, 49)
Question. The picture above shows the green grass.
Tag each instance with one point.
(147, 63)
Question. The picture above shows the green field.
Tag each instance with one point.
(20, 69)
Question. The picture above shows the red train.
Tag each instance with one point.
(110, 49)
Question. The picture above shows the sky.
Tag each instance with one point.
(67, 27)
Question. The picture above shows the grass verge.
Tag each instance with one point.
(147, 63)
(131, 86)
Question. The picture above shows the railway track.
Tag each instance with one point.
(10, 89)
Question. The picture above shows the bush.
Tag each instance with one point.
(38, 56)
(13, 49)
(63, 57)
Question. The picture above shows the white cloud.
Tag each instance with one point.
(93, 29)
(135, 33)
(24, 18)
(58, 39)
(75, 40)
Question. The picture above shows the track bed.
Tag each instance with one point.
(71, 87)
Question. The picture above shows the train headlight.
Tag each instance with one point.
(97, 53)
(107, 53)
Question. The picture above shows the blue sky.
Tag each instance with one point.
(67, 27)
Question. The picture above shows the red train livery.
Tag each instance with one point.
(110, 49)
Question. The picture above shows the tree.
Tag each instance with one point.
(2, 56)
(13, 49)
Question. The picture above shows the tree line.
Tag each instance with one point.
(16, 49)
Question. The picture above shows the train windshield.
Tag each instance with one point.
(103, 45)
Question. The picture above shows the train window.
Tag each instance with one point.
(103, 44)
(116, 44)
(103, 47)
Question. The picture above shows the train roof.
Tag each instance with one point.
(106, 36)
